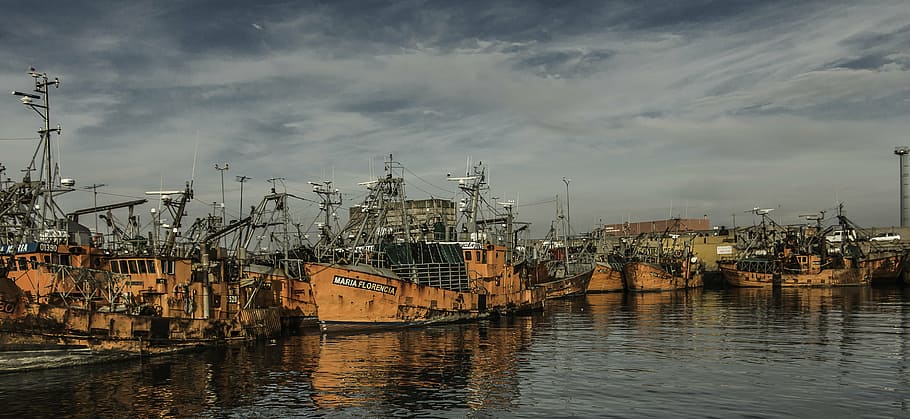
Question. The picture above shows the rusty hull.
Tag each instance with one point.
(358, 297)
(605, 279)
(745, 279)
(568, 286)
(643, 276)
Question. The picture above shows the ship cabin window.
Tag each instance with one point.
(167, 267)
(150, 264)
(477, 255)
(142, 267)
(483, 257)
(65, 260)
(34, 262)
(133, 268)
(23, 264)
(115, 267)
(123, 268)
(467, 255)
(47, 258)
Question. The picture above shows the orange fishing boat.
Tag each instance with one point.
(61, 288)
(567, 268)
(606, 278)
(799, 256)
(662, 263)
(755, 273)
(649, 276)
(561, 286)
(388, 279)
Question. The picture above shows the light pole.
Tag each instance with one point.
(94, 187)
(43, 109)
(242, 180)
(222, 169)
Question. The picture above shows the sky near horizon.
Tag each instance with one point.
(651, 108)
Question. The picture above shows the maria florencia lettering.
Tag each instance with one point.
(364, 285)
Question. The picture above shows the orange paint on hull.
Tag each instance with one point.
(362, 297)
(833, 277)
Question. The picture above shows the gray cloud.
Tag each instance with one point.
(717, 106)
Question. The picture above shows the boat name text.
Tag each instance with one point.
(364, 285)
(31, 247)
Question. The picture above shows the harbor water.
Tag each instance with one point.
(723, 353)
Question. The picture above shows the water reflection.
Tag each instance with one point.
(695, 352)
(430, 369)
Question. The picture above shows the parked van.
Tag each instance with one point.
(886, 237)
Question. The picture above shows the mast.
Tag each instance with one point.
(282, 204)
(43, 109)
(177, 211)
(511, 240)
(331, 198)
(395, 190)
(471, 185)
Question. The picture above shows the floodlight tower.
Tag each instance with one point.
(902, 152)
(43, 108)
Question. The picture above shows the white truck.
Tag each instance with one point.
(838, 236)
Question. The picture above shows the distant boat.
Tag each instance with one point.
(606, 278)
(566, 285)
(663, 263)
(565, 269)
(663, 276)
(609, 257)
(776, 256)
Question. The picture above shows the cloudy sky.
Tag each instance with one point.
(652, 108)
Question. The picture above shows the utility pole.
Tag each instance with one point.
(242, 180)
(222, 169)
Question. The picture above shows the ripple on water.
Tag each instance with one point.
(765, 353)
